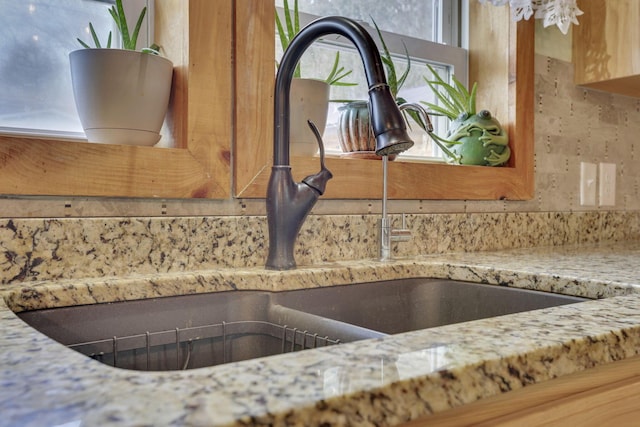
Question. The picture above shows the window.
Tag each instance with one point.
(430, 30)
(227, 152)
(36, 37)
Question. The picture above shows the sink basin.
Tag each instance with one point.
(405, 305)
(192, 331)
(189, 331)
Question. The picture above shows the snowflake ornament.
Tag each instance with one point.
(561, 13)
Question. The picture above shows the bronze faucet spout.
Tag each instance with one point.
(288, 202)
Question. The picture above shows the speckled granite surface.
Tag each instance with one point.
(47, 249)
(383, 381)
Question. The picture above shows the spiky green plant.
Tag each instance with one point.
(473, 138)
(129, 40)
(454, 99)
(96, 40)
(290, 29)
(394, 81)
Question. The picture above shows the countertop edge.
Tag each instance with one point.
(426, 371)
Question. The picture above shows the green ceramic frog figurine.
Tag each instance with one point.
(473, 138)
(478, 139)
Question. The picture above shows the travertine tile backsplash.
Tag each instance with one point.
(575, 125)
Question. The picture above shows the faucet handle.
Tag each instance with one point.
(316, 133)
(401, 234)
(319, 180)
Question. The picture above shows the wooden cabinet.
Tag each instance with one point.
(607, 395)
(606, 46)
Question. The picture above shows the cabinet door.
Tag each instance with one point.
(613, 405)
(606, 46)
(607, 395)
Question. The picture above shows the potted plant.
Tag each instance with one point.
(354, 128)
(472, 138)
(309, 98)
(121, 95)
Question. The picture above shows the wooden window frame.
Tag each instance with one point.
(223, 53)
(507, 88)
(196, 36)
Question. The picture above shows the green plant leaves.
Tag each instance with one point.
(454, 99)
(117, 13)
(292, 23)
(290, 28)
(395, 83)
(95, 39)
(338, 73)
(129, 40)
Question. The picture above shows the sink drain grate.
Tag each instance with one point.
(194, 347)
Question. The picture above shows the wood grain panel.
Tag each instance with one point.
(39, 167)
(173, 37)
(613, 404)
(362, 179)
(487, 64)
(254, 81)
(604, 395)
(605, 46)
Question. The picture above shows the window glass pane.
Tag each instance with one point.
(317, 62)
(36, 37)
(415, 18)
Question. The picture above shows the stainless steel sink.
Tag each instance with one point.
(189, 331)
(405, 305)
(207, 329)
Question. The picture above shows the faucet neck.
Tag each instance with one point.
(353, 31)
(288, 202)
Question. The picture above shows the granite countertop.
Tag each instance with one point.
(380, 381)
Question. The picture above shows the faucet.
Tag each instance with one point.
(289, 202)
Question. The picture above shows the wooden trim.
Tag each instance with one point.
(39, 167)
(604, 395)
(513, 87)
(254, 80)
(200, 121)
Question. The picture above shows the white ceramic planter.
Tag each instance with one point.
(121, 95)
(309, 100)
